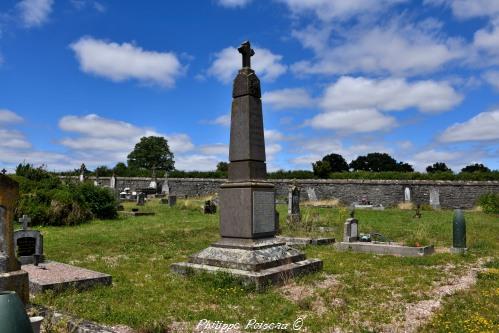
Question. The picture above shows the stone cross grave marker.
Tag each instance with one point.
(28, 243)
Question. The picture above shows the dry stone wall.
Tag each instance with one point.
(451, 194)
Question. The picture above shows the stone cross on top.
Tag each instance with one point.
(25, 220)
(247, 53)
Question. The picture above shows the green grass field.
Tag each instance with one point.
(354, 292)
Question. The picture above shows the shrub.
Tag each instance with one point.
(489, 203)
(48, 201)
(100, 201)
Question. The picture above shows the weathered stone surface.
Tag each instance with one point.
(16, 281)
(247, 130)
(11, 276)
(58, 276)
(302, 241)
(246, 83)
(384, 248)
(260, 279)
(237, 211)
(37, 239)
(254, 255)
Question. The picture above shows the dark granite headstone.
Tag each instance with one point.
(294, 216)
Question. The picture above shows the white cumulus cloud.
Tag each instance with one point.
(7, 116)
(362, 120)
(233, 3)
(397, 48)
(34, 12)
(120, 62)
(482, 127)
(389, 95)
(288, 98)
(338, 9)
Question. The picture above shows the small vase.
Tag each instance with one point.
(13, 317)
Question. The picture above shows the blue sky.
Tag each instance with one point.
(83, 80)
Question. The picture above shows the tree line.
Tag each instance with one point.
(151, 157)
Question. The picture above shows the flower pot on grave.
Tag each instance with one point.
(13, 317)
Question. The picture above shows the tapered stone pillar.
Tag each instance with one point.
(12, 278)
(248, 248)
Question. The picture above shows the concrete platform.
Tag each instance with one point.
(58, 276)
(260, 279)
(16, 281)
(303, 241)
(256, 261)
(385, 248)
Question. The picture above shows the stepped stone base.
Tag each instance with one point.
(385, 248)
(16, 281)
(258, 262)
(58, 276)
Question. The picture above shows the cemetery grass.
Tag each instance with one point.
(357, 292)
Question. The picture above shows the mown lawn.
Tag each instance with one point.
(355, 292)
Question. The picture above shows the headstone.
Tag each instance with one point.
(351, 228)
(434, 198)
(28, 243)
(3, 171)
(165, 189)
(294, 216)
(83, 169)
(112, 181)
(209, 207)
(11, 275)
(248, 244)
(172, 200)
(407, 194)
(311, 194)
(458, 232)
(418, 212)
(141, 197)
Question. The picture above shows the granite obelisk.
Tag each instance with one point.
(248, 248)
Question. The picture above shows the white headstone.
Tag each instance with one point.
(165, 188)
(112, 182)
(434, 198)
(407, 194)
(311, 194)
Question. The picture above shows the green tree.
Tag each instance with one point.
(223, 167)
(379, 162)
(475, 168)
(103, 171)
(151, 153)
(438, 167)
(329, 163)
(120, 169)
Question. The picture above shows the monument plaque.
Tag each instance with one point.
(248, 247)
(263, 212)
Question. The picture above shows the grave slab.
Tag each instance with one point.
(386, 248)
(306, 240)
(53, 275)
(136, 213)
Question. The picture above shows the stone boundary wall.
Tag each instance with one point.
(452, 194)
